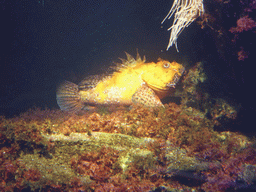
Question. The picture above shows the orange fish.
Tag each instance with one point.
(133, 81)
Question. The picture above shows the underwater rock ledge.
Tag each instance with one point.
(140, 149)
(176, 148)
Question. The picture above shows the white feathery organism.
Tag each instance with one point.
(185, 12)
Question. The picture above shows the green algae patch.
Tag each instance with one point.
(130, 148)
(143, 159)
(55, 170)
(178, 160)
(23, 132)
(118, 141)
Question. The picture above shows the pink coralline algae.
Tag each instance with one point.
(242, 55)
(243, 24)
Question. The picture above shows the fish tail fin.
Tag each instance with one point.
(68, 97)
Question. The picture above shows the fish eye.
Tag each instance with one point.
(166, 65)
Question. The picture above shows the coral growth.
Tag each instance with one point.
(243, 24)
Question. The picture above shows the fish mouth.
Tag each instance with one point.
(176, 78)
(173, 83)
(181, 71)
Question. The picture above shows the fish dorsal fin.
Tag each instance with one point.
(123, 61)
(130, 61)
(130, 58)
(138, 58)
(91, 81)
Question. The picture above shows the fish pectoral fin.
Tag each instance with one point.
(147, 97)
(68, 97)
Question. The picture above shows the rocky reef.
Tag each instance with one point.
(176, 148)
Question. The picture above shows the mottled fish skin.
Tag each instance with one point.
(134, 81)
(91, 82)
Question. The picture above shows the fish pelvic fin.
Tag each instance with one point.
(147, 97)
(68, 97)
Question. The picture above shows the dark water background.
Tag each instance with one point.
(46, 41)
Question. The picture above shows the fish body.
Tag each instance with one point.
(134, 81)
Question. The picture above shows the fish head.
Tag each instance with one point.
(163, 75)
